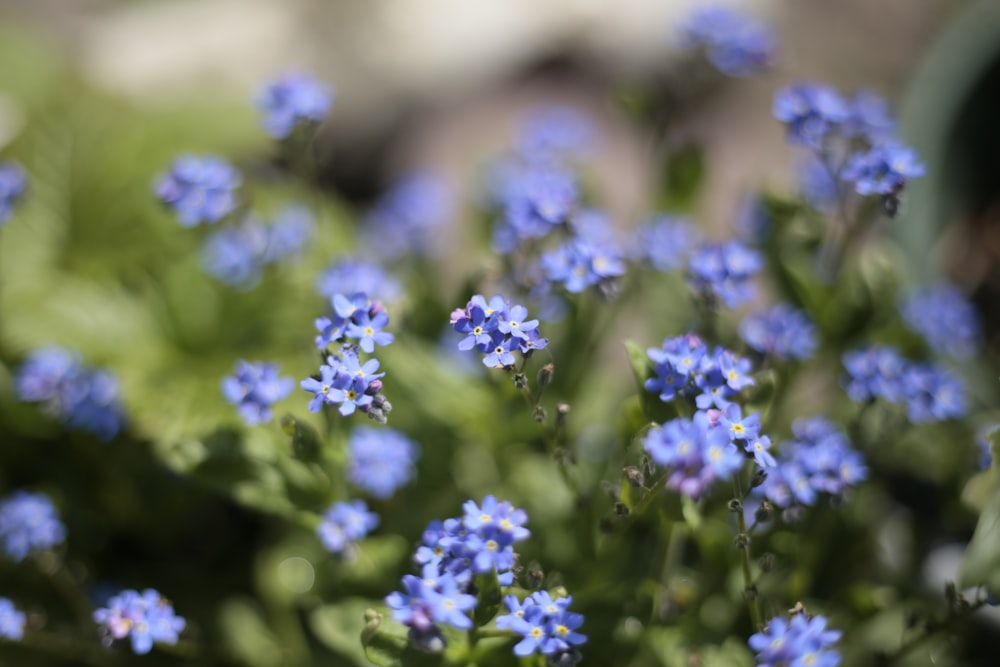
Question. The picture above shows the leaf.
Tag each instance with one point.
(981, 564)
(488, 598)
(247, 636)
(354, 629)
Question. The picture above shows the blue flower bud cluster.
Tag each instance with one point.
(12, 620)
(12, 185)
(819, 460)
(497, 330)
(145, 618)
(254, 388)
(357, 325)
(546, 626)
(29, 523)
(199, 189)
(946, 319)
(382, 460)
(722, 271)
(684, 366)
(929, 392)
(343, 524)
(451, 554)
(734, 43)
(802, 640)
(237, 255)
(291, 100)
(83, 397)
(782, 332)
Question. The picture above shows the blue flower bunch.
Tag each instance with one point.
(734, 43)
(696, 452)
(12, 185)
(820, 460)
(357, 324)
(666, 242)
(929, 391)
(254, 388)
(199, 189)
(497, 330)
(546, 625)
(343, 524)
(723, 271)
(554, 134)
(350, 275)
(945, 318)
(684, 366)
(238, 254)
(291, 100)
(381, 460)
(145, 618)
(589, 258)
(12, 620)
(29, 523)
(405, 219)
(783, 332)
(83, 397)
(802, 640)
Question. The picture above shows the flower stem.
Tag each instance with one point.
(743, 544)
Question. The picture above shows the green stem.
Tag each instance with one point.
(749, 589)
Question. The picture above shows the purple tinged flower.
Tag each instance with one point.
(13, 182)
(29, 523)
(290, 100)
(782, 331)
(813, 112)
(883, 170)
(381, 460)
(343, 524)
(145, 618)
(946, 319)
(12, 620)
(254, 388)
(199, 189)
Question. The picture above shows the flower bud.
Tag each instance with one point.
(545, 375)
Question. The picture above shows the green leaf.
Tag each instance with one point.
(339, 627)
(981, 564)
(247, 636)
(683, 177)
(488, 598)
(305, 441)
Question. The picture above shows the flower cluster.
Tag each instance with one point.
(684, 366)
(946, 319)
(929, 392)
(451, 554)
(722, 271)
(254, 388)
(356, 324)
(533, 200)
(734, 43)
(199, 189)
(803, 640)
(883, 169)
(782, 331)
(237, 255)
(293, 99)
(144, 618)
(497, 330)
(666, 241)
(83, 397)
(12, 620)
(819, 460)
(382, 460)
(546, 626)
(29, 523)
(404, 219)
(343, 524)
(12, 185)
(554, 134)
(349, 275)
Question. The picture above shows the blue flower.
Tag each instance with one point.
(145, 618)
(199, 189)
(545, 624)
(813, 112)
(695, 453)
(578, 264)
(381, 460)
(12, 620)
(734, 43)
(368, 330)
(932, 394)
(874, 372)
(350, 276)
(435, 597)
(723, 271)
(804, 640)
(946, 319)
(882, 170)
(343, 524)
(496, 329)
(666, 242)
(533, 200)
(404, 219)
(29, 523)
(782, 331)
(254, 388)
(12, 185)
(293, 99)
(554, 133)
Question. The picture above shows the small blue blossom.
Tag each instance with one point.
(237, 255)
(723, 271)
(554, 133)
(666, 242)
(578, 264)
(932, 394)
(381, 460)
(12, 185)
(199, 189)
(29, 523)
(545, 624)
(882, 170)
(497, 330)
(343, 524)
(12, 620)
(813, 112)
(946, 319)
(804, 640)
(695, 452)
(782, 331)
(875, 372)
(368, 330)
(145, 618)
(293, 99)
(734, 43)
(533, 201)
(254, 388)
(404, 220)
(350, 276)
